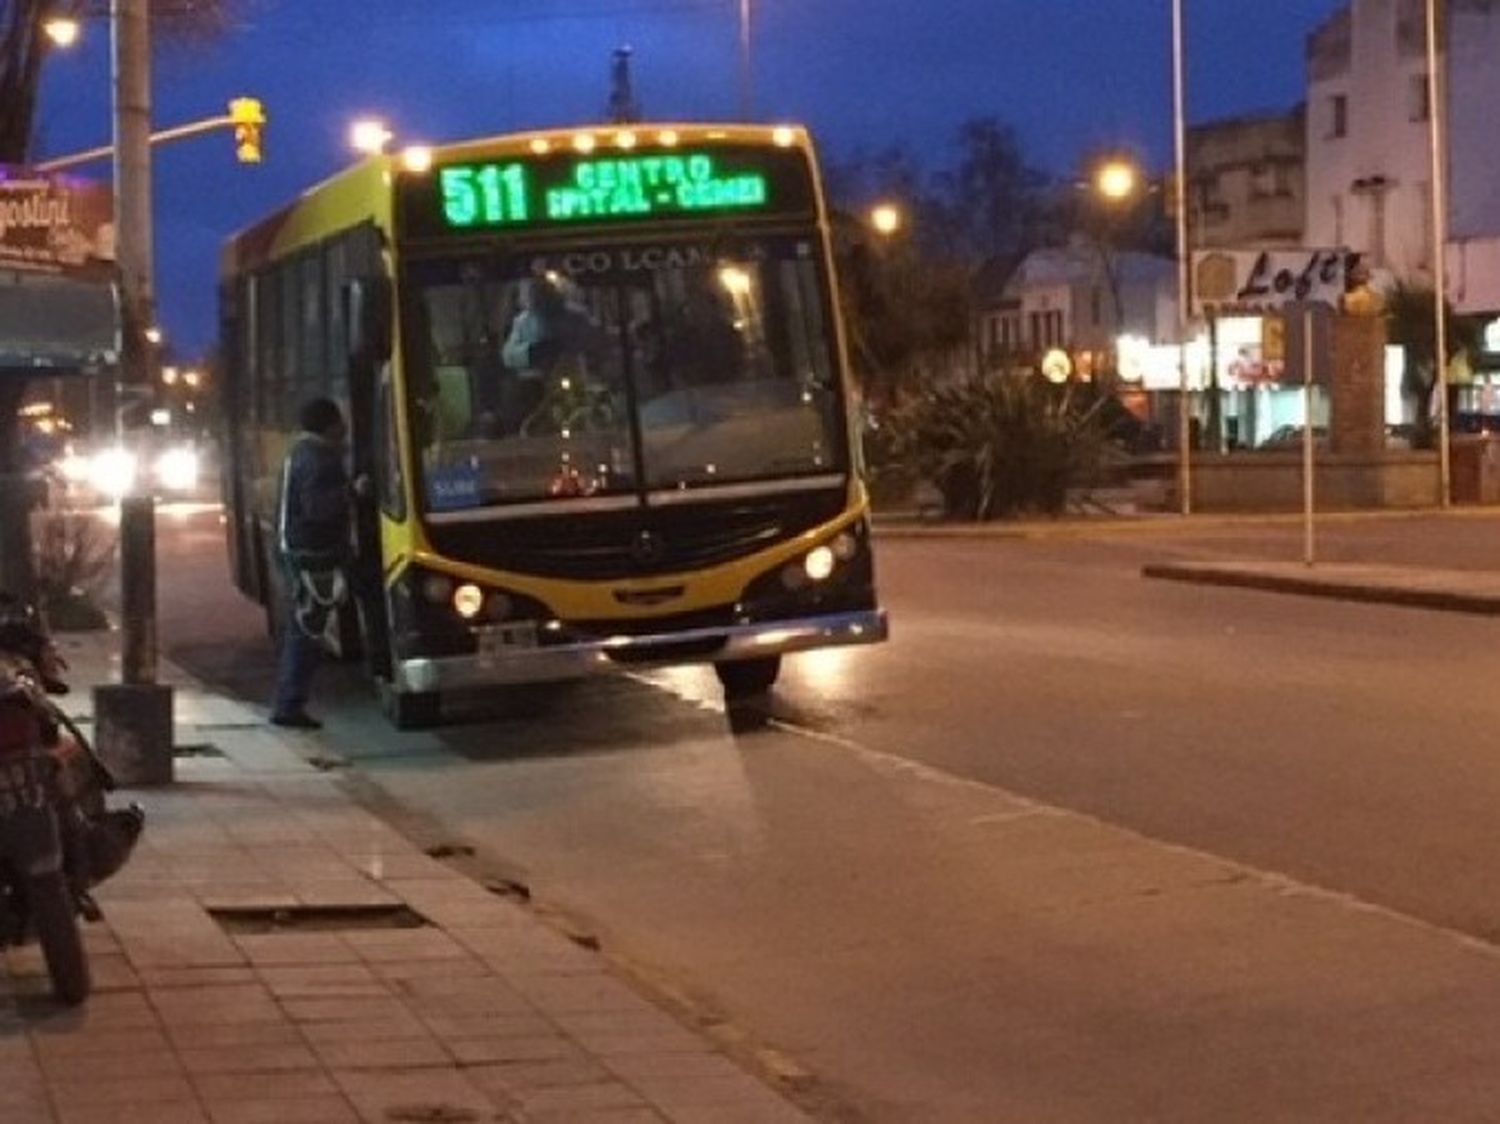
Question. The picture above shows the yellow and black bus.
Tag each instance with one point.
(599, 381)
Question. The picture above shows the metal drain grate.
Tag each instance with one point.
(245, 920)
(197, 749)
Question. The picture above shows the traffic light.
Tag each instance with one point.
(249, 119)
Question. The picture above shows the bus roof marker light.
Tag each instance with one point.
(541, 146)
(625, 139)
(584, 142)
(417, 158)
(668, 137)
(784, 136)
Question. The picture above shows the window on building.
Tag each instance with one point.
(1338, 112)
(1418, 104)
(1036, 329)
(1338, 220)
(1209, 199)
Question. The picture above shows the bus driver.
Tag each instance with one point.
(550, 338)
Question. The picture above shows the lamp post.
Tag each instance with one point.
(134, 717)
(1437, 120)
(1179, 144)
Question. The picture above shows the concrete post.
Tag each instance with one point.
(1357, 386)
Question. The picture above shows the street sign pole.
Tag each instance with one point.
(1308, 553)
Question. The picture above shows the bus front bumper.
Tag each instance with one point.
(512, 664)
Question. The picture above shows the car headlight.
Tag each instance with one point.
(112, 471)
(177, 470)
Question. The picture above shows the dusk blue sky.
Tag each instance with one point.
(1068, 74)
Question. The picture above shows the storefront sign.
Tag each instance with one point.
(55, 224)
(1226, 281)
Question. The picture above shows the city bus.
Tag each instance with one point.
(598, 380)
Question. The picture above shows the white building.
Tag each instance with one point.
(1369, 178)
(1081, 298)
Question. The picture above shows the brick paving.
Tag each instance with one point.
(482, 1013)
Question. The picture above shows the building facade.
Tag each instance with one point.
(1368, 121)
(1080, 299)
(1247, 181)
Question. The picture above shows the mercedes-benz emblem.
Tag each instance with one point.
(648, 548)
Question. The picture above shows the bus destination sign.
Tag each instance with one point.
(531, 193)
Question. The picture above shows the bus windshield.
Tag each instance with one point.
(620, 371)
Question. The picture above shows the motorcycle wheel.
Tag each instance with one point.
(56, 923)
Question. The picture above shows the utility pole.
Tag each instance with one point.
(134, 716)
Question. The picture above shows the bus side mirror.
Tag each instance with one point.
(368, 302)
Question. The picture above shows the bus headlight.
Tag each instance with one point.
(819, 563)
(845, 546)
(177, 470)
(468, 600)
(437, 588)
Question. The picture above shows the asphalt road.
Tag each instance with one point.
(1073, 846)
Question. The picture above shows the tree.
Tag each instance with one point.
(991, 202)
(909, 300)
(1412, 324)
(24, 47)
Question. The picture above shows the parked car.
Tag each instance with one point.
(1290, 437)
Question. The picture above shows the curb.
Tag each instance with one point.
(1338, 589)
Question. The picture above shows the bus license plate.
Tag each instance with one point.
(500, 639)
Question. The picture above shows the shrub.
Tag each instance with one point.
(74, 556)
(999, 444)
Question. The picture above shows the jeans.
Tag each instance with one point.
(297, 663)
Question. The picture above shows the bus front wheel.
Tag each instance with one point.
(747, 679)
(411, 710)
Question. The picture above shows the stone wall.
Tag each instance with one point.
(1341, 481)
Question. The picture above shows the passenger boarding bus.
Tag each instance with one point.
(599, 381)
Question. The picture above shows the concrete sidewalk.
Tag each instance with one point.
(1459, 591)
(465, 1008)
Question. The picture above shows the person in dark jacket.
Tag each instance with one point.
(313, 526)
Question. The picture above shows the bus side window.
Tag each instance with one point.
(388, 451)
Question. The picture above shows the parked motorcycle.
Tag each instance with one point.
(57, 836)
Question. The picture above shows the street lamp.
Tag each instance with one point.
(1117, 180)
(62, 30)
(369, 135)
(886, 219)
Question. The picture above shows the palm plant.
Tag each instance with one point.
(999, 444)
